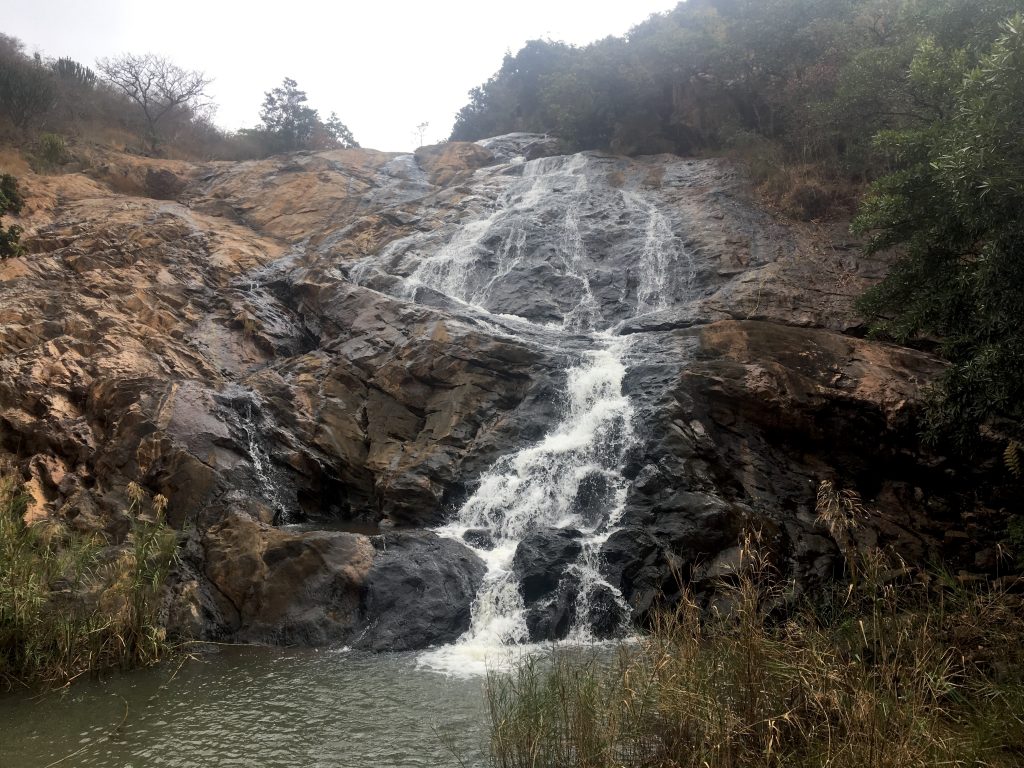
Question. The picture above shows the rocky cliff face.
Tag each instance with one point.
(351, 339)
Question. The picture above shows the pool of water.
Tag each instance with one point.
(246, 706)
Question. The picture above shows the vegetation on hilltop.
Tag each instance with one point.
(144, 103)
(798, 88)
(289, 124)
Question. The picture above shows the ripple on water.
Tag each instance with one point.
(255, 707)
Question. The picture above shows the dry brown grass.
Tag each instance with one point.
(71, 604)
(884, 675)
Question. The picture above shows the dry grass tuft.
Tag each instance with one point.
(883, 675)
(70, 603)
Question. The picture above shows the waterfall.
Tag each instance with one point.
(659, 263)
(455, 268)
(539, 216)
(538, 488)
(259, 458)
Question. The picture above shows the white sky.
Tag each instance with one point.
(383, 66)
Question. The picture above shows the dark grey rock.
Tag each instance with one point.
(541, 558)
(480, 538)
(418, 592)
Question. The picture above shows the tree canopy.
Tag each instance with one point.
(814, 79)
(290, 124)
(955, 206)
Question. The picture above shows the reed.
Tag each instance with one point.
(890, 673)
(70, 603)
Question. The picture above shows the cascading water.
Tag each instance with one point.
(543, 487)
(539, 488)
(258, 456)
(659, 259)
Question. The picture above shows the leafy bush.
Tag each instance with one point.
(955, 205)
(10, 201)
(51, 150)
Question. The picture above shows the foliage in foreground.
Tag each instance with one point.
(885, 675)
(69, 603)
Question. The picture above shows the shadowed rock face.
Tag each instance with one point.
(356, 335)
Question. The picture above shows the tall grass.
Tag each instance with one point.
(892, 673)
(69, 602)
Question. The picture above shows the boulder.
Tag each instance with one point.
(480, 538)
(541, 558)
(599, 612)
(288, 588)
(418, 593)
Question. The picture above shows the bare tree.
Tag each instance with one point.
(421, 130)
(156, 84)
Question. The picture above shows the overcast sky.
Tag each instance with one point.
(383, 66)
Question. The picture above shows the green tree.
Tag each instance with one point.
(290, 124)
(955, 205)
(339, 132)
(287, 118)
(10, 201)
(28, 90)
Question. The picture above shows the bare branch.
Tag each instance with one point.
(156, 85)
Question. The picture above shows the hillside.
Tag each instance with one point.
(356, 337)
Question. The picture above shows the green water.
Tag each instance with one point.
(257, 708)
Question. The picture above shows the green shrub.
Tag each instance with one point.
(51, 151)
(10, 201)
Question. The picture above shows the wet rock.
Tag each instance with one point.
(287, 588)
(418, 593)
(553, 615)
(605, 615)
(275, 344)
(481, 538)
(593, 497)
(653, 560)
(541, 558)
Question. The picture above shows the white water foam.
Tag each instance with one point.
(454, 269)
(537, 488)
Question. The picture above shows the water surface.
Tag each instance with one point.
(254, 707)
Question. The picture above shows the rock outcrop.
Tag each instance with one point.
(357, 336)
